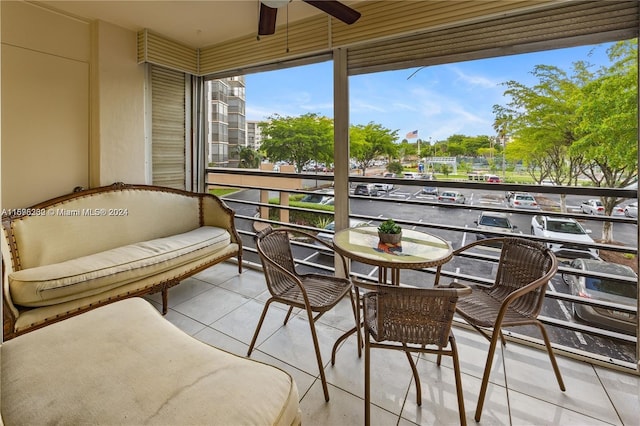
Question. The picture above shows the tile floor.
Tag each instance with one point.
(222, 308)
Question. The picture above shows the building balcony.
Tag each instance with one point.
(222, 308)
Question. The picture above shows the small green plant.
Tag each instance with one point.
(389, 226)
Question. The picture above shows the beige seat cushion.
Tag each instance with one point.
(125, 364)
(100, 272)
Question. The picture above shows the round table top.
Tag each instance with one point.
(416, 250)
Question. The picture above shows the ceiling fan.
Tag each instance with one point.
(269, 11)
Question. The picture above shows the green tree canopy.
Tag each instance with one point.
(541, 121)
(580, 123)
(371, 141)
(249, 159)
(298, 140)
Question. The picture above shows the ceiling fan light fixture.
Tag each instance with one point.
(275, 4)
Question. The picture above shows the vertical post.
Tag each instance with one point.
(341, 144)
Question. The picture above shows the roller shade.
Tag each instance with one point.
(168, 123)
(562, 25)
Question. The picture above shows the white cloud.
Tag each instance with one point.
(473, 79)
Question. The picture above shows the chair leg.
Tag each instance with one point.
(316, 346)
(552, 357)
(356, 329)
(286, 319)
(456, 370)
(259, 326)
(356, 315)
(487, 371)
(416, 377)
(367, 379)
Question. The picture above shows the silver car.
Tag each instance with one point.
(490, 222)
(451, 197)
(631, 210)
(523, 200)
(605, 290)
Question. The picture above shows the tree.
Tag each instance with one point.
(541, 121)
(249, 159)
(395, 167)
(371, 141)
(406, 149)
(298, 140)
(582, 123)
(608, 125)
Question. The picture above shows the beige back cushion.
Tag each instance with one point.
(100, 222)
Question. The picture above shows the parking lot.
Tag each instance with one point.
(430, 211)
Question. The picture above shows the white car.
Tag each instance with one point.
(490, 222)
(593, 206)
(386, 187)
(451, 197)
(631, 210)
(327, 237)
(565, 232)
(523, 200)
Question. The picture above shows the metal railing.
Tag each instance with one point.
(247, 207)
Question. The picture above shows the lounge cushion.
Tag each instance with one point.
(100, 272)
(125, 364)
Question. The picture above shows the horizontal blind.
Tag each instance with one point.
(168, 127)
(158, 50)
(563, 25)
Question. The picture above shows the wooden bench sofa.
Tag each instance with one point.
(124, 364)
(76, 252)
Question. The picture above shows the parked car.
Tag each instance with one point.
(522, 200)
(493, 179)
(604, 290)
(386, 187)
(618, 210)
(565, 232)
(412, 175)
(430, 190)
(331, 227)
(389, 175)
(490, 222)
(367, 189)
(451, 197)
(631, 210)
(593, 206)
(319, 197)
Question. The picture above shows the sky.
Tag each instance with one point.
(437, 101)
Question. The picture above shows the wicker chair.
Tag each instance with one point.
(315, 293)
(417, 318)
(515, 298)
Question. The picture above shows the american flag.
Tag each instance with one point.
(412, 135)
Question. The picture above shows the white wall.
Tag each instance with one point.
(73, 105)
(45, 120)
(120, 81)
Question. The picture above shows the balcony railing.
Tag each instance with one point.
(586, 340)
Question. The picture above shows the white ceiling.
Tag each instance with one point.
(194, 23)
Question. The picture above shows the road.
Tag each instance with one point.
(625, 233)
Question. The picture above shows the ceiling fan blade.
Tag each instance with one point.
(267, 23)
(337, 10)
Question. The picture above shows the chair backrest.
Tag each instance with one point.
(274, 249)
(524, 263)
(412, 315)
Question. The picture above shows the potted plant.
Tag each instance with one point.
(390, 232)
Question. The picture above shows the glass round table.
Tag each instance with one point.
(416, 250)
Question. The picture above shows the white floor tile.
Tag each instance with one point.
(222, 308)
